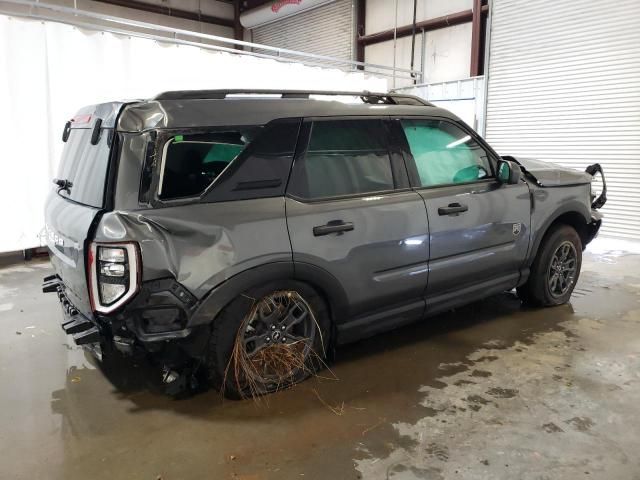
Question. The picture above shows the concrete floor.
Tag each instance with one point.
(489, 391)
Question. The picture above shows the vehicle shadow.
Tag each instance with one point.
(396, 363)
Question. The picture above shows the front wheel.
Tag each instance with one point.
(267, 339)
(555, 270)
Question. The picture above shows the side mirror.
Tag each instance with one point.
(508, 172)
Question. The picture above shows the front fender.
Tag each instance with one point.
(575, 208)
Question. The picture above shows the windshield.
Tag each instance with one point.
(85, 166)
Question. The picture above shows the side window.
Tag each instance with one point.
(191, 162)
(343, 157)
(262, 169)
(444, 153)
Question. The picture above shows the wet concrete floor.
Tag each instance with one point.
(492, 390)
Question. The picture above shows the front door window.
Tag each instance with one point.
(445, 154)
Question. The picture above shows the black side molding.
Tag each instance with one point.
(257, 184)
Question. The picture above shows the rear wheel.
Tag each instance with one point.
(555, 270)
(267, 339)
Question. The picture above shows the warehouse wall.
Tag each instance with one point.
(55, 69)
(325, 30)
(564, 87)
(205, 7)
(447, 51)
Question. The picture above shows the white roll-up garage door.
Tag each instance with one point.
(324, 30)
(564, 86)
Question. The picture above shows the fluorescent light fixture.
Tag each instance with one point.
(460, 141)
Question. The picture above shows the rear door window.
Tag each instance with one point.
(444, 153)
(343, 157)
(85, 166)
(192, 162)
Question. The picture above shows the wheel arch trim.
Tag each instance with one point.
(570, 213)
(220, 296)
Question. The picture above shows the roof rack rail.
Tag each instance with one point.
(365, 96)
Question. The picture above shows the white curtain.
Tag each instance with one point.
(49, 70)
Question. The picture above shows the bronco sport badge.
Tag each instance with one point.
(516, 228)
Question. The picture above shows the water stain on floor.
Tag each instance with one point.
(493, 390)
(493, 413)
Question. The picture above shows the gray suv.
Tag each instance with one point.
(236, 237)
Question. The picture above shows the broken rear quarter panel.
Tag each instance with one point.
(203, 244)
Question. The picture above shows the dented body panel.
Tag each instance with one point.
(205, 244)
(549, 174)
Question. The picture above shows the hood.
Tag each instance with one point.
(549, 174)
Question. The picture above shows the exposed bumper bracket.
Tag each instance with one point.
(91, 335)
(602, 198)
(51, 283)
(76, 324)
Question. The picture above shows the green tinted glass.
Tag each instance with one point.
(344, 157)
(503, 172)
(444, 153)
(222, 152)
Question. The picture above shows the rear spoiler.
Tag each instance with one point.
(593, 170)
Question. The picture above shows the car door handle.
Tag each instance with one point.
(334, 226)
(452, 208)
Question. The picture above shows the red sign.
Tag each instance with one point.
(275, 8)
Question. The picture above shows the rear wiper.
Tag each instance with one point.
(64, 184)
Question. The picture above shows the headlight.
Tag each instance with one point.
(114, 272)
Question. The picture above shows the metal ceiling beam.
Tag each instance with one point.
(171, 12)
(476, 39)
(238, 30)
(361, 13)
(458, 18)
(127, 26)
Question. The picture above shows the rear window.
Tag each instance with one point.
(193, 162)
(85, 166)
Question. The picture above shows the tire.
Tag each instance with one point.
(222, 350)
(540, 289)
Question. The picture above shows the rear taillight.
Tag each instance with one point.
(114, 270)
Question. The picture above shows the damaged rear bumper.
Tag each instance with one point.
(84, 331)
(154, 322)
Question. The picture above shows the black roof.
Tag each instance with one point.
(211, 108)
(373, 98)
